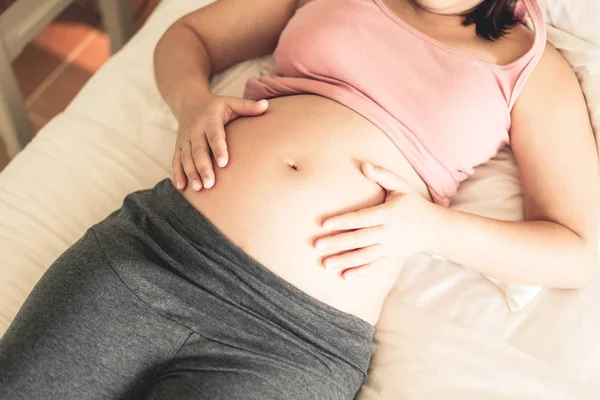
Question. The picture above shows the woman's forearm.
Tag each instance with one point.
(533, 252)
(182, 67)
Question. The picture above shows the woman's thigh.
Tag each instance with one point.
(156, 297)
(83, 334)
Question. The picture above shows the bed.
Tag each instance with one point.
(445, 332)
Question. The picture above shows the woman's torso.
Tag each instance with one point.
(289, 169)
(431, 84)
(298, 164)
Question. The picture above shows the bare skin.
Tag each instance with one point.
(287, 172)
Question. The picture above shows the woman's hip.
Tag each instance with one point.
(174, 259)
(113, 318)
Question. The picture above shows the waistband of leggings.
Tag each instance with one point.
(200, 230)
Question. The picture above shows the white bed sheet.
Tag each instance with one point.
(445, 333)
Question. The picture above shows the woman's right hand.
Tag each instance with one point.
(202, 130)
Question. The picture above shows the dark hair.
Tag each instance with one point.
(492, 18)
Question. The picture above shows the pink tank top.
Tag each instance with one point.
(446, 111)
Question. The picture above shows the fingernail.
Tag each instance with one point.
(179, 185)
(322, 245)
(369, 166)
(328, 224)
(208, 183)
(195, 185)
(262, 102)
(221, 161)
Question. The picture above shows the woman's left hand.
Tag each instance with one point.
(386, 233)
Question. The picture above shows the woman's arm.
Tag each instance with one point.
(194, 48)
(555, 151)
(557, 243)
(211, 39)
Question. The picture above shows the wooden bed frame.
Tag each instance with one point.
(19, 24)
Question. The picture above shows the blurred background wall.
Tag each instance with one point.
(62, 57)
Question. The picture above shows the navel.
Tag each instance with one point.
(292, 165)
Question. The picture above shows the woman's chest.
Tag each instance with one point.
(443, 97)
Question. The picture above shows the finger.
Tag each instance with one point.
(202, 160)
(190, 167)
(218, 144)
(385, 178)
(239, 107)
(376, 266)
(364, 218)
(351, 240)
(178, 174)
(355, 258)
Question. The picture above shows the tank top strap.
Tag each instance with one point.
(531, 9)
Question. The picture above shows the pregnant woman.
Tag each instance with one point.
(260, 270)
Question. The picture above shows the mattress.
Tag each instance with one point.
(445, 332)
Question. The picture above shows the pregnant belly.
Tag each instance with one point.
(288, 170)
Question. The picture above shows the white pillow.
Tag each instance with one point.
(578, 18)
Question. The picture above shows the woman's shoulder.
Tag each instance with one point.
(553, 64)
(552, 79)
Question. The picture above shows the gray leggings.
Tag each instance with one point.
(155, 302)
